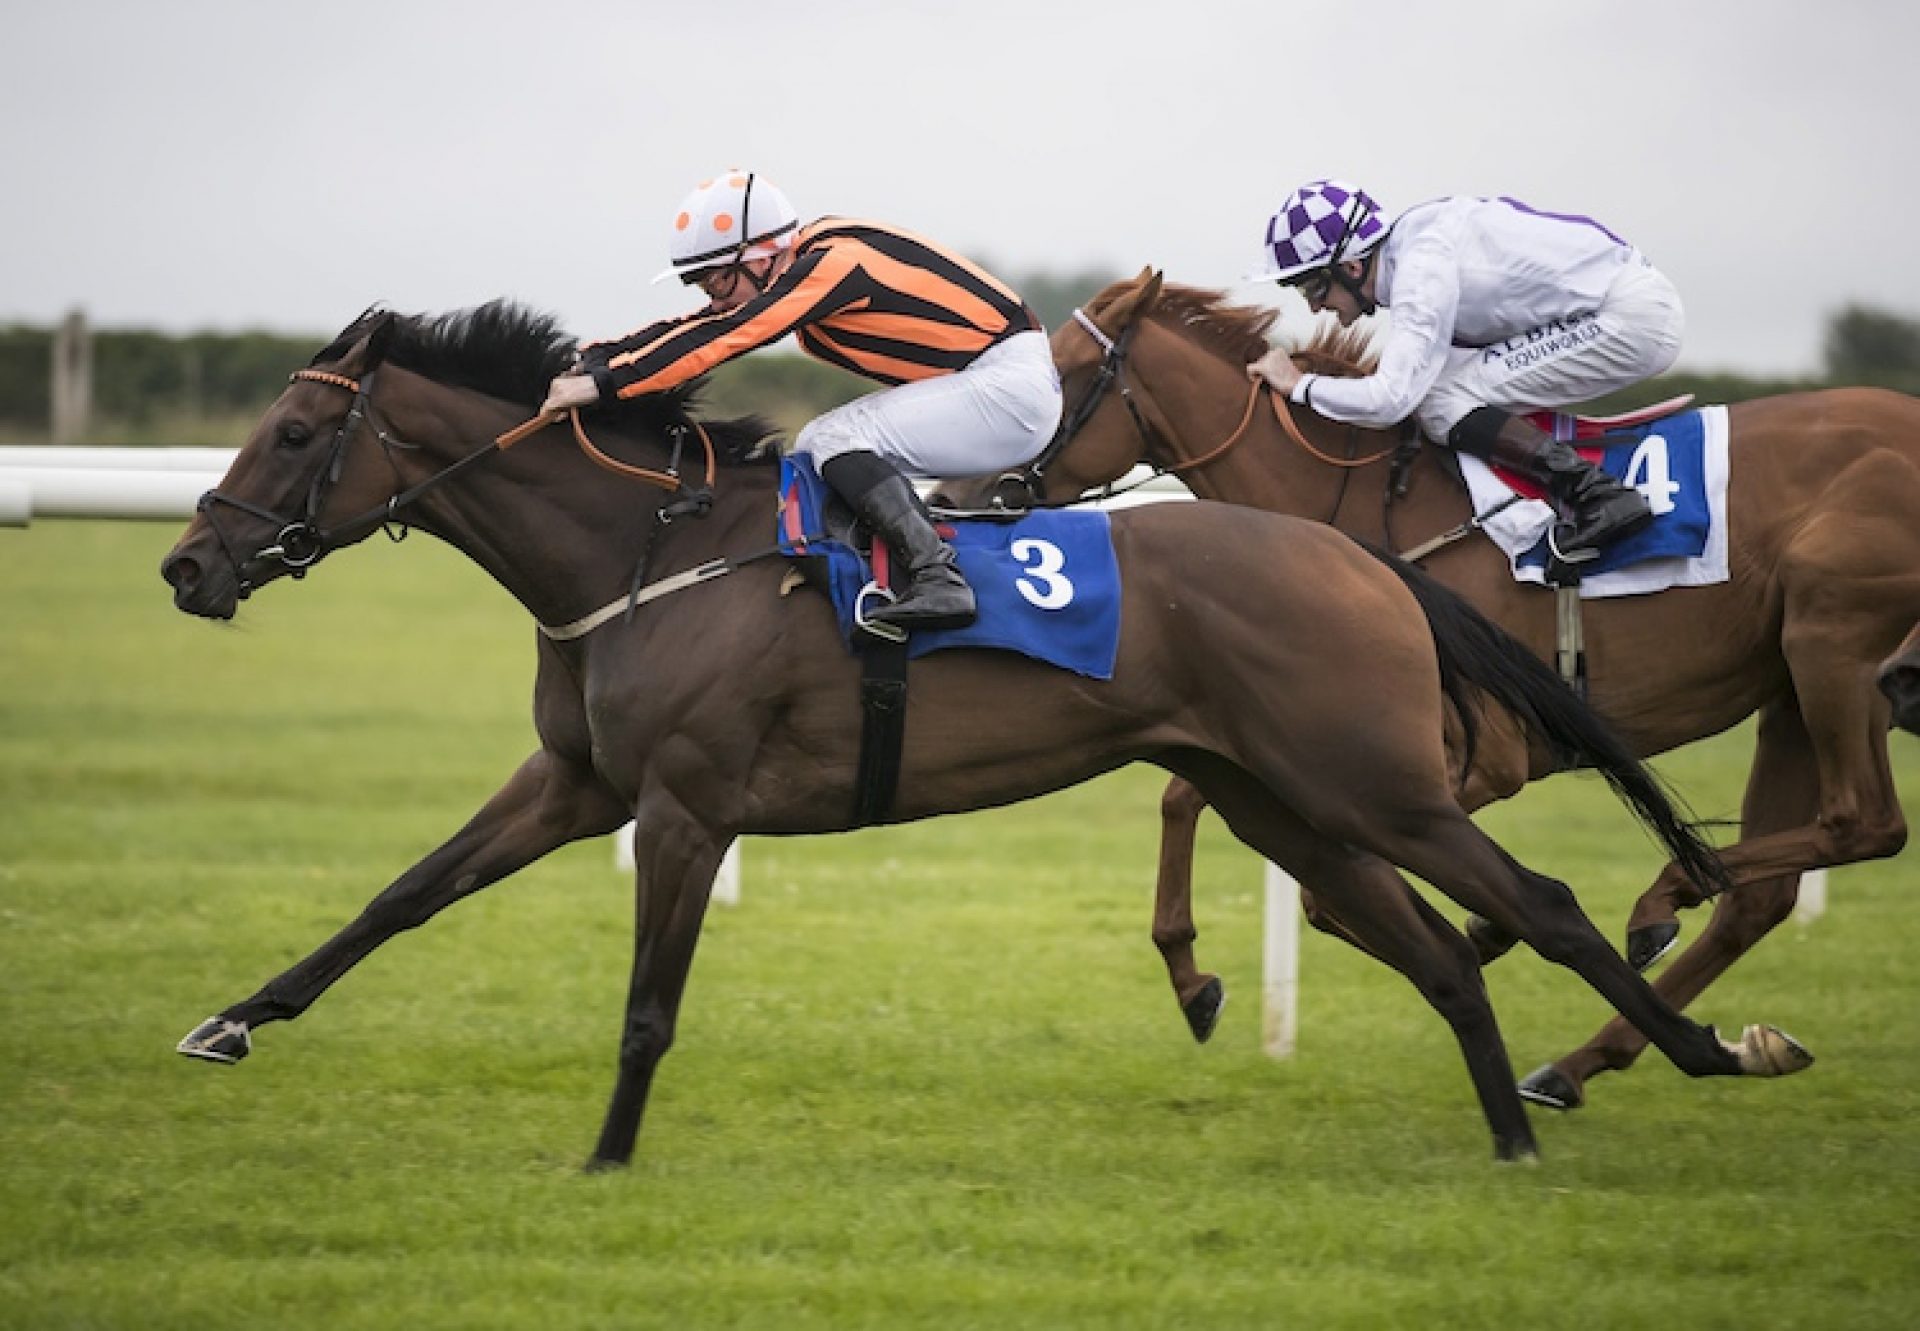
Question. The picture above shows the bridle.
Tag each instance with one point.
(301, 542)
(1112, 373)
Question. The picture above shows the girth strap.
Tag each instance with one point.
(883, 729)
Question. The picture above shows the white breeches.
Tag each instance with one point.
(992, 416)
(1634, 335)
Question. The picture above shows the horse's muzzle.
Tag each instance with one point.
(203, 589)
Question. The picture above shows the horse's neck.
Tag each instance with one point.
(559, 533)
(1264, 467)
(1267, 468)
(1363, 500)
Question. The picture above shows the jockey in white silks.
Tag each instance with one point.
(1497, 308)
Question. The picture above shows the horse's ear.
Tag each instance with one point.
(1150, 292)
(371, 349)
(376, 349)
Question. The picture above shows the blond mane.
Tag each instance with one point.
(1345, 353)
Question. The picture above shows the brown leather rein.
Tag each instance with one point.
(1283, 412)
(666, 480)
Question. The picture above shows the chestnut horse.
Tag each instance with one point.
(1825, 562)
(730, 708)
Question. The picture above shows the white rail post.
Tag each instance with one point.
(1280, 986)
(1811, 904)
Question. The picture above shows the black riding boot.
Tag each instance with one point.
(936, 596)
(1595, 509)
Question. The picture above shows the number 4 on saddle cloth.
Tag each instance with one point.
(1048, 585)
(1678, 462)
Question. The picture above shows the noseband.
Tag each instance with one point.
(299, 542)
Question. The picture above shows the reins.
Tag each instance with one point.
(1283, 409)
(668, 480)
(1246, 419)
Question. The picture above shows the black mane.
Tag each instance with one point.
(511, 352)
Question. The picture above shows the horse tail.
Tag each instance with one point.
(1477, 656)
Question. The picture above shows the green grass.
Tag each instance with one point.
(926, 1077)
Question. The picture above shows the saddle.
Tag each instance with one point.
(1048, 588)
(1566, 426)
(836, 524)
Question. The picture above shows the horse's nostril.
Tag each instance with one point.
(180, 572)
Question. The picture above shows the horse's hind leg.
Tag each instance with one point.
(1782, 791)
(548, 803)
(1379, 913)
(1848, 591)
(1364, 900)
(1442, 845)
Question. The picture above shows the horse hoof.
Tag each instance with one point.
(217, 1040)
(1516, 1152)
(1768, 1051)
(599, 1164)
(1203, 1009)
(1489, 939)
(1647, 945)
(1553, 1089)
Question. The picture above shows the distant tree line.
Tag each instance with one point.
(208, 388)
(145, 381)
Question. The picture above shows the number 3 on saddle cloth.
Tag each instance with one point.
(1679, 463)
(1048, 586)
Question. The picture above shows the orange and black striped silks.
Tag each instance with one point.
(869, 298)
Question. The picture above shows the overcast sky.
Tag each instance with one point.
(262, 164)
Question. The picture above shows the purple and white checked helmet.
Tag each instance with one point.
(1321, 223)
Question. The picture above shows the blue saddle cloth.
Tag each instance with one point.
(1048, 586)
(1668, 463)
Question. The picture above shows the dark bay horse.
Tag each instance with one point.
(1825, 560)
(728, 708)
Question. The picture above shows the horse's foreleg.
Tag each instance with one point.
(1783, 790)
(546, 804)
(676, 856)
(1200, 994)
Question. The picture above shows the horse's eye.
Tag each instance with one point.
(294, 434)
